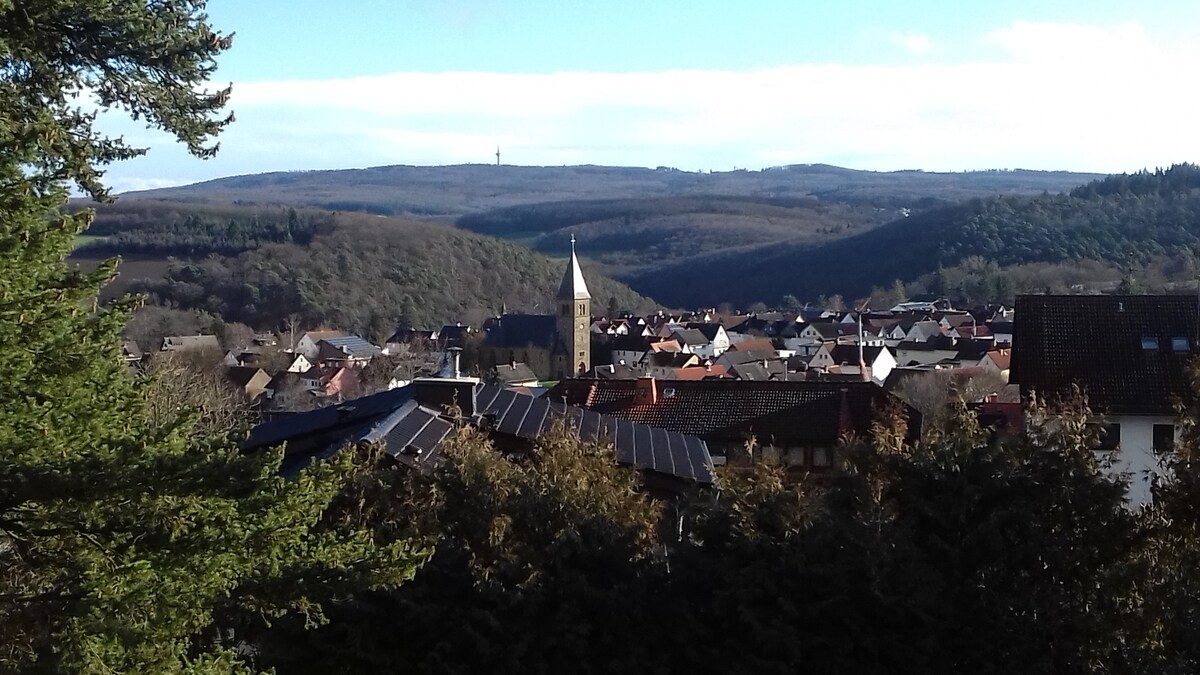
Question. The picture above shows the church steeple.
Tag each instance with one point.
(573, 287)
(574, 317)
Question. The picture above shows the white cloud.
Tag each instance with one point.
(1051, 96)
(914, 43)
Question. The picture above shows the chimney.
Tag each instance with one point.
(647, 393)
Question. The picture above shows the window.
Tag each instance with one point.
(1180, 344)
(793, 456)
(566, 310)
(1149, 343)
(1164, 438)
(1110, 437)
(821, 457)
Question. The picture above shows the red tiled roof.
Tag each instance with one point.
(1001, 357)
(759, 344)
(694, 373)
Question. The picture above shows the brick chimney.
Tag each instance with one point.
(647, 393)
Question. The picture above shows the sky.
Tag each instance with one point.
(700, 85)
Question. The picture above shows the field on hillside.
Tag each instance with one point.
(130, 272)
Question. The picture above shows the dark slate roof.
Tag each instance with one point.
(826, 330)
(243, 375)
(1097, 343)
(803, 412)
(750, 371)
(353, 346)
(630, 343)
(749, 356)
(450, 332)
(412, 432)
(709, 330)
(184, 342)
(517, 331)
(692, 337)
(411, 335)
(508, 373)
(848, 354)
(130, 350)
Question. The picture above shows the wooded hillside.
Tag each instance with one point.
(1149, 215)
(370, 274)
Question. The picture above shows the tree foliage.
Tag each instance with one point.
(129, 542)
(955, 554)
(370, 273)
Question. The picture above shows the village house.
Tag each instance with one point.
(879, 361)
(184, 343)
(349, 351)
(1131, 356)
(411, 339)
(249, 380)
(307, 344)
(718, 339)
(515, 375)
(131, 353)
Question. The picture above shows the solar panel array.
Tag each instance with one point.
(667, 452)
(412, 433)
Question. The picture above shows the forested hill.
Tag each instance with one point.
(1148, 214)
(455, 190)
(370, 274)
(634, 234)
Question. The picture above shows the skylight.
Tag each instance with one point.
(1149, 343)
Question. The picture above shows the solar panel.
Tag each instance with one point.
(643, 444)
(589, 425)
(664, 460)
(406, 431)
(404, 427)
(510, 423)
(432, 435)
(624, 441)
(485, 397)
(536, 420)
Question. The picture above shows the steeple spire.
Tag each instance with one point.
(573, 286)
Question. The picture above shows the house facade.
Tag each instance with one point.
(1129, 354)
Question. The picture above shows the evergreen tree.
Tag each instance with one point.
(128, 544)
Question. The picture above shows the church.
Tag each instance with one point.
(555, 346)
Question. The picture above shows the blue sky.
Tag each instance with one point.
(699, 85)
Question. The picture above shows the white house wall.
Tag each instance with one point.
(1136, 458)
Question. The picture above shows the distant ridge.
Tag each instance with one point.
(471, 188)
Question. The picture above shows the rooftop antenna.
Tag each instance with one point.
(862, 361)
(497, 155)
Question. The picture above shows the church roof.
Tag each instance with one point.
(573, 287)
(517, 331)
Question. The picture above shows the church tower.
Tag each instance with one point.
(573, 318)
